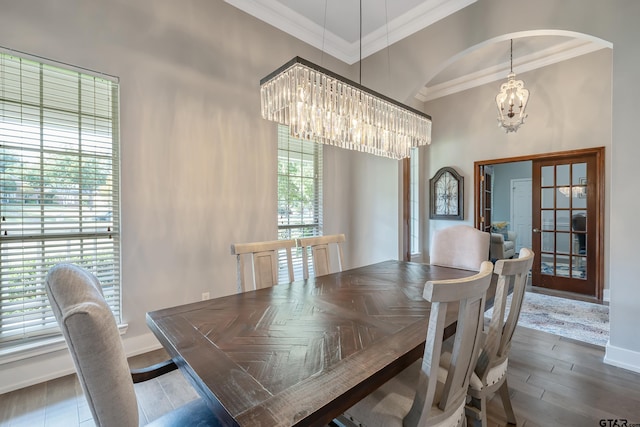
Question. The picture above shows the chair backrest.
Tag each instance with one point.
(512, 274)
(321, 253)
(264, 262)
(469, 293)
(460, 246)
(92, 335)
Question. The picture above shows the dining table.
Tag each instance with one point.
(301, 353)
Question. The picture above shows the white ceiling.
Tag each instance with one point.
(334, 27)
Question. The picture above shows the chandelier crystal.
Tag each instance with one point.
(512, 101)
(322, 106)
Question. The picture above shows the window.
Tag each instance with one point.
(59, 188)
(299, 191)
(414, 200)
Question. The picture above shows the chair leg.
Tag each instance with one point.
(476, 412)
(506, 402)
(483, 411)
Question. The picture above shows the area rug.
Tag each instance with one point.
(582, 321)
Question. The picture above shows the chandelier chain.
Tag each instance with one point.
(324, 30)
(512, 55)
(360, 80)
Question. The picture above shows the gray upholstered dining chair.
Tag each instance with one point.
(90, 330)
(433, 390)
(460, 246)
(264, 262)
(491, 370)
(321, 254)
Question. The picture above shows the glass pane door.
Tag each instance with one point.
(563, 224)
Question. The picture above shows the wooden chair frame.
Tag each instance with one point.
(321, 253)
(264, 262)
(436, 400)
(491, 369)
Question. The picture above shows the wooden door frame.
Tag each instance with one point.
(600, 194)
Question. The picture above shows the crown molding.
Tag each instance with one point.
(549, 56)
(410, 22)
(302, 28)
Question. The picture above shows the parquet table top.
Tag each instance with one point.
(302, 353)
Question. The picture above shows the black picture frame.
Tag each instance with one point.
(446, 190)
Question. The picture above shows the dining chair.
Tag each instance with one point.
(91, 333)
(433, 390)
(264, 262)
(491, 370)
(321, 253)
(460, 246)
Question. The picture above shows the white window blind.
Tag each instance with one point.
(59, 188)
(299, 193)
(414, 200)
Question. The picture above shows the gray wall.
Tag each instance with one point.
(552, 121)
(198, 162)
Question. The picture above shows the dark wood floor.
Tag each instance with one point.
(60, 402)
(554, 381)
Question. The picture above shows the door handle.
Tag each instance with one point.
(536, 230)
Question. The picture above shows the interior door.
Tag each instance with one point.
(521, 212)
(565, 216)
(485, 199)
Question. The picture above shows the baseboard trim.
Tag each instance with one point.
(25, 374)
(622, 358)
(141, 344)
(45, 367)
(606, 295)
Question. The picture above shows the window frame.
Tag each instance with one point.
(303, 151)
(415, 249)
(71, 166)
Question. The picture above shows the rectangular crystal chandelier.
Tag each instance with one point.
(322, 106)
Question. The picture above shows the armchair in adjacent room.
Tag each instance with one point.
(503, 245)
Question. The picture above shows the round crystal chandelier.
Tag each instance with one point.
(512, 101)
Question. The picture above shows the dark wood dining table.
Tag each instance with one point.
(304, 352)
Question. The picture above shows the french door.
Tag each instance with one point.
(485, 199)
(565, 218)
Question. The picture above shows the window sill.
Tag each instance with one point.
(40, 347)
